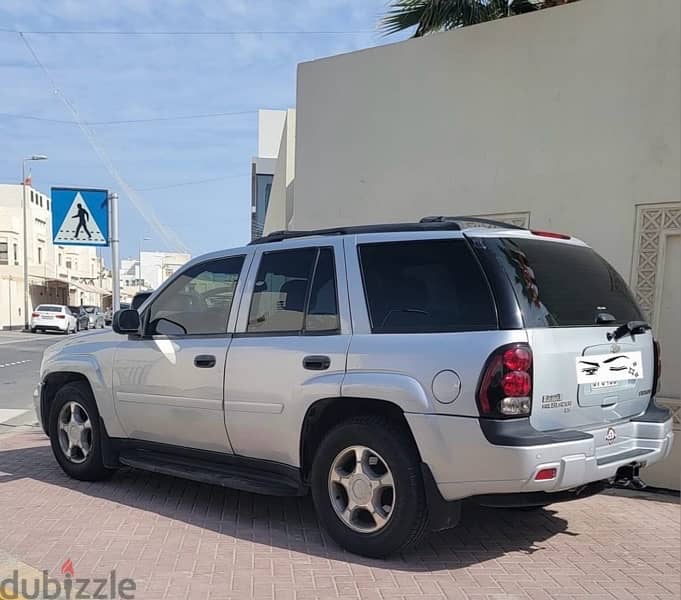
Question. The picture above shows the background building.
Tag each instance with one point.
(270, 125)
(148, 271)
(59, 274)
(566, 119)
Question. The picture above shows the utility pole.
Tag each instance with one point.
(115, 256)
(27, 288)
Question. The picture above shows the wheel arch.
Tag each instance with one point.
(324, 414)
(52, 382)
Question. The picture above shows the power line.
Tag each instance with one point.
(167, 234)
(194, 182)
(182, 32)
(134, 121)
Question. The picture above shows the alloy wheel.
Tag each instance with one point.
(362, 489)
(75, 432)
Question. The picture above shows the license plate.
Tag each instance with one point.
(606, 369)
(599, 385)
(46, 317)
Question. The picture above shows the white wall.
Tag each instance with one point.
(270, 125)
(571, 113)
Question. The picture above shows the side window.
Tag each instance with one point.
(281, 288)
(322, 310)
(295, 292)
(198, 301)
(425, 287)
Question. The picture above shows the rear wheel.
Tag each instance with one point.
(75, 436)
(367, 487)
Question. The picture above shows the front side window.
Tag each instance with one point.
(295, 292)
(198, 301)
(430, 286)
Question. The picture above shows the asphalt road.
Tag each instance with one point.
(20, 356)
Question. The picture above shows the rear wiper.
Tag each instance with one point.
(632, 328)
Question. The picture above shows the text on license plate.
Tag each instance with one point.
(597, 385)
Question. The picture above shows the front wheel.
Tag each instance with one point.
(367, 487)
(75, 437)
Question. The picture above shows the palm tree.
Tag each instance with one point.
(429, 16)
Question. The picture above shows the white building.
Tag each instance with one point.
(270, 126)
(58, 274)
(566, 119)
(148, 271)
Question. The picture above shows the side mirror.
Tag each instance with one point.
(126, 321)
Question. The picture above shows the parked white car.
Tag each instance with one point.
(53, 317)
(391, 371)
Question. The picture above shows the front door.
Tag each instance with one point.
(169, 382)
(289, 347)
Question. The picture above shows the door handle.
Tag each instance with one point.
(204, 361)
(316, 362)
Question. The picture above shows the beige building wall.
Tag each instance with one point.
(281, 205)
(567, 119)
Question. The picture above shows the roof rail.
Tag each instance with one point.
(279, 236)
(467, 219)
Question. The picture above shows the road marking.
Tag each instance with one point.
(17, 362)
(25, 340)
(7, 414)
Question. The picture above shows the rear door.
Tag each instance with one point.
(289, 348)
(571, 299)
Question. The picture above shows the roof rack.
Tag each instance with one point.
(467, 219)
(278, 236)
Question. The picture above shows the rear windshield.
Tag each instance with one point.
(425, 287)
(562, 285)
(48, 308)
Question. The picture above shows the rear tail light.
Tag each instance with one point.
(505, 388)
(657, 368)
(35, 314)
(61, 316)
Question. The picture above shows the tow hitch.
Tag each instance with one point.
(628, 477)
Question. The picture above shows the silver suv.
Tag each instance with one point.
(390, 370)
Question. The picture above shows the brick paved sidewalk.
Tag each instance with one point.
(180, 539)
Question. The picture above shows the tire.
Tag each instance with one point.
(88, 467)
(392, 444)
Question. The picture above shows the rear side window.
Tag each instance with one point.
(425, 286)
(295, 292)
(562, 285)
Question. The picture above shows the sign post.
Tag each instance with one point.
(115, 256)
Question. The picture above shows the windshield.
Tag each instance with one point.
(48, 308)
(564, 285)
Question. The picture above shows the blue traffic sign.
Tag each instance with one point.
(80, 217)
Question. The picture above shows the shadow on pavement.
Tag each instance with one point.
(287, 523)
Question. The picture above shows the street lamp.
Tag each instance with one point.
(139, 258)
(25, 211)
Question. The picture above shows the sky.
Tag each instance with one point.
(124, 77)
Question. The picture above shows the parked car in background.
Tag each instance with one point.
(108, 314)
(53, 317)
(392, 371)
(96, 316)
(82, 318)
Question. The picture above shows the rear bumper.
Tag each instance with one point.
(52, 325)
(464, 462)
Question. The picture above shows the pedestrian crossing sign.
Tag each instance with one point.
(80, 217)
